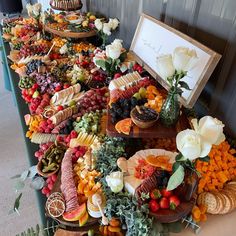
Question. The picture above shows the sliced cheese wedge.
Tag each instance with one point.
(132, 183)
(124, 80)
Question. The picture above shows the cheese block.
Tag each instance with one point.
(124, 80)
(132, 183)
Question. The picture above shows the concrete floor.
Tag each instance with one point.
(13, 161)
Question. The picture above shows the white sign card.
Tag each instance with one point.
(154, 38)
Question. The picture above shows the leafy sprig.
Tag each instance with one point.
(134, 218)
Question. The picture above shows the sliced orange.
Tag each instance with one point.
(159, 161)
(124, 126)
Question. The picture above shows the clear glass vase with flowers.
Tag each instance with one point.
(173, 69)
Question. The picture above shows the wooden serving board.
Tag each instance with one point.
(156, 131)
(70, 34)
(91, 222)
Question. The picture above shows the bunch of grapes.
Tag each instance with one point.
(121, 109)
(93, 100)
(46, 126)
(47, 82)
(30, 50)
(33, 66)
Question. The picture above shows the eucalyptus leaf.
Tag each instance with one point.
(101, 63)
(184, 85)
(15, 177)
(17, 202)
(37, 183)
(24, 175)
(176, 179)
(175, 166)
(123, 56)
(179, 157)
(205, 159)
(32, 172)
(19, 185)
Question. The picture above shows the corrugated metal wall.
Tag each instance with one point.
(211, 22)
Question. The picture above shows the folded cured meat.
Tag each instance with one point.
(68, 187)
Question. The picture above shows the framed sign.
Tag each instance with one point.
(154, 38)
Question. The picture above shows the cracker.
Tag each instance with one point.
(231, 197)
(211, 202)
(220, 203)
(200, 198)
(228, 203)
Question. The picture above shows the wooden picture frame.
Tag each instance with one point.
(153, 38)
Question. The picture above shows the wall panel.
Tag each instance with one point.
(211, 22)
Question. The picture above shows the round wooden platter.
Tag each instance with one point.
(75, 224)
(169, 216)
(70, 34)
(66, 8)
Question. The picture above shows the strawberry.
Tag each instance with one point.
(60, 108)
(155, 194)
(117, 75)
(153, 206)
(65, 86)
(58, 88)
(35, 86)
(174, 202)
(166, 193)
(164, 203)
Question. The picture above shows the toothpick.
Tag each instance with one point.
(51, 48)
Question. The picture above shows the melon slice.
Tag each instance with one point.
(83, 219)
(76, 214)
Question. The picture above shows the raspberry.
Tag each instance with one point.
(49, 121)
(73, 134)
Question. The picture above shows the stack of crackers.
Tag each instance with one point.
(220, 202)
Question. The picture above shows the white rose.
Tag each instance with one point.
(115, 181)
(98, 24)
(184, 58)
(37, 9)
(211, 129)
(63, 49)
(190, 144)
(29, 8)
(106, 29)
(165, 66)
(113, 23)
(118, 43)
(113, 51)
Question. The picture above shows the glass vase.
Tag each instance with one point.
(170, 110)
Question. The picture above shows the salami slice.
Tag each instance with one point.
(68, 187)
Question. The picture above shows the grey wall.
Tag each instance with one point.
(211, 22)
